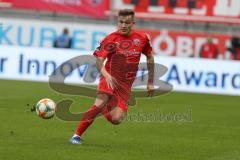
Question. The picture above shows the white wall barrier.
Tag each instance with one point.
(185, 74)
(42, 33)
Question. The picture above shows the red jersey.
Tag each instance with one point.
(123, 54)
(209, 50)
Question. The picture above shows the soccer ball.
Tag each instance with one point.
(46, 108)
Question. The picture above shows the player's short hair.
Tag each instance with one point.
(126, 12)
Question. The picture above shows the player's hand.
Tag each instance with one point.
(150, 89)
(111, 81)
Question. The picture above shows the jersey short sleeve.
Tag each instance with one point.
(102, 50)
(147, 50)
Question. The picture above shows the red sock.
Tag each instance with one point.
(87, 119)
(106, 112)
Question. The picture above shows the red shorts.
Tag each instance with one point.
(116, 98)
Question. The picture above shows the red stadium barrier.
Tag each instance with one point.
(91, 8)
(217, 11)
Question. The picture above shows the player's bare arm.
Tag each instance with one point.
(111, 81)
(150, 66)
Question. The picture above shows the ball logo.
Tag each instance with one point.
(136, 42)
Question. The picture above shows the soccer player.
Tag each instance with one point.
(122, 51)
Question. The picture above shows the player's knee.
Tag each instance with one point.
(101, 100)
(117, 120)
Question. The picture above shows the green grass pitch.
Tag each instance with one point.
(211, 133)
